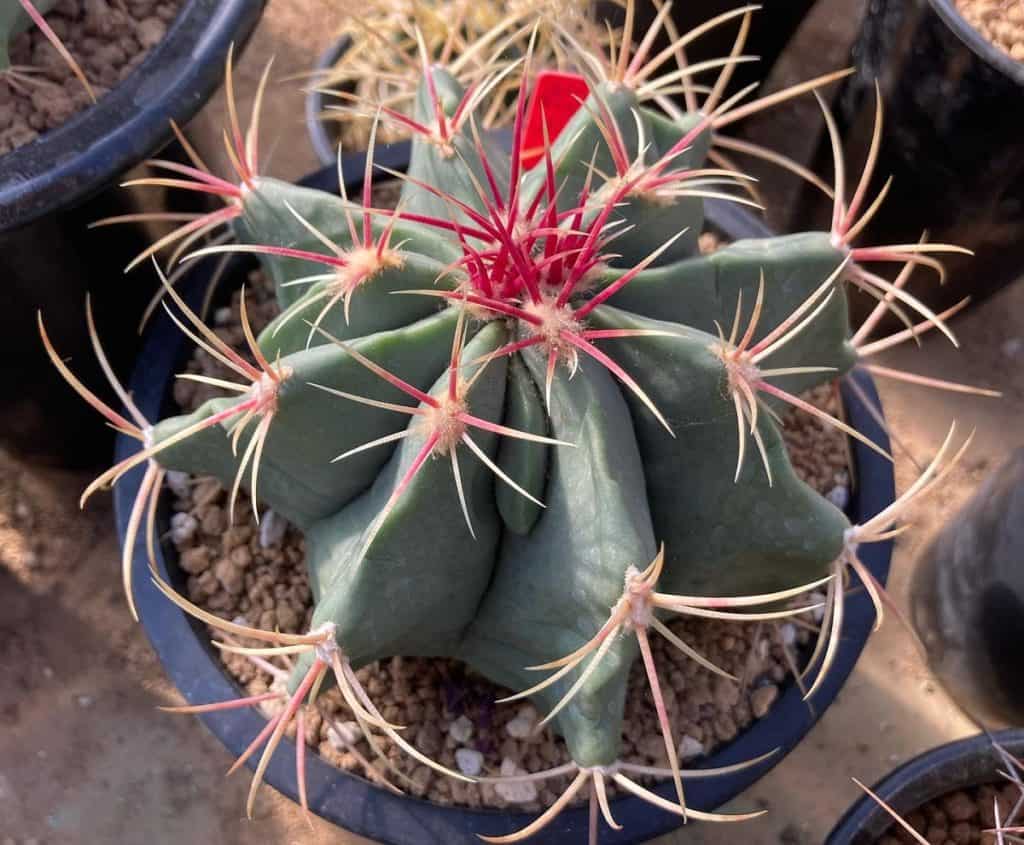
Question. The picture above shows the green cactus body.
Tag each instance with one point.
(405, 576)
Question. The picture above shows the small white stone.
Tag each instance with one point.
(817, 598)
(690, 748)
(272, 528)
(85, 701)
(522, 792)
(522, 724)
(183, 527)
(839, 496)
(341, 735)
(788, 633)
(47, 672)
(178, 482)
(461, 730)
(1013, 347)
(222, 316)
(469, 761)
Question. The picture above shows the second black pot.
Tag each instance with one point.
(954, 120)
(958, 765)
(51, 189)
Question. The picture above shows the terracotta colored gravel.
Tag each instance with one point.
(1000, 21)
(959, 818)
(108, 38)
(257, 574)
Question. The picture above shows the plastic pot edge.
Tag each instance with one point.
(901, 788)
(67, 165)
(978, 43)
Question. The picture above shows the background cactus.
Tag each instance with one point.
(519, 417)
(381, 63)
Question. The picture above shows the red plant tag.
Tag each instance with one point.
(557, 96)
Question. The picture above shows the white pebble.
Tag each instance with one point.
(178, 482)
(222, 316)
(1013, 347)
(839, 496)
(272, 528)
(521, 792)
(341, 735)
(817, 598)
(85, 701)
(461, 730)
(690, 748)
(469, 761)
(521, 725)
(183, 527)
(788, 633)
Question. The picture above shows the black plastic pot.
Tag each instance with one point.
(322, 134)
(958, 765)
(967, 600)
(954, 119)
(52, 188)
(357, 805)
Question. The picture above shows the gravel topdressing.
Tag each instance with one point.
(959, 818)
(1000, 21)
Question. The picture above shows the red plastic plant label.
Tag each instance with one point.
(557, 96)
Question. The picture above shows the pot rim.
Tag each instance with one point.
(978, 43)
(357, 805)
(316, 102)
(77, 159)
(905, 789)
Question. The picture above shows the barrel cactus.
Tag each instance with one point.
(16, 16)
(520, 419)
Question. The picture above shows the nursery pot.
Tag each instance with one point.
(967, 599)
(321, 132)
(52, 188)
(354, 803)
(958, 765)
(954, 119)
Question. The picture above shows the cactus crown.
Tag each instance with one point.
(519, 418)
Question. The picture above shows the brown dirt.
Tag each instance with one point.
(959, 818)
(108, 40)
(256, 574)
(1000, 21)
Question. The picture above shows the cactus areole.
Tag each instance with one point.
(520, 420)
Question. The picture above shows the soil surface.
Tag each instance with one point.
(964, 817)
(108, 39)
(1000, 21)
